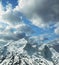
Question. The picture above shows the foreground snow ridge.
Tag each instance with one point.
(23, 52)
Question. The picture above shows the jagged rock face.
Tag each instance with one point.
(23, 53)
(46, 53)
(30, 50)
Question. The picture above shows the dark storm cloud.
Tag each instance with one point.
(49, 11)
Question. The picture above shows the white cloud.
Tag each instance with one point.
(16, 32)
(57, 30)
(9, 16)
(15, 29)
(38, 21)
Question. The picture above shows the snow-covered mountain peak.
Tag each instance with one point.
(22, 52)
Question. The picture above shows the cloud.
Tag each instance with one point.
(41, 13)
(10, 16)
(13, 36)
(39, 39)
(16, 32)
(57, 30)
(47, 10)
(13, 27)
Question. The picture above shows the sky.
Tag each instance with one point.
(30, 18)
